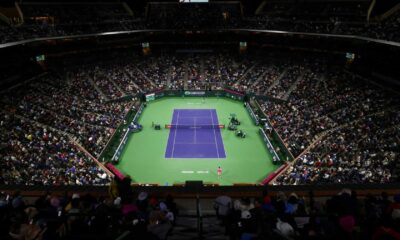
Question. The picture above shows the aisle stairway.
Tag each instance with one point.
(187, 229)
(276, 82)
(186, 75)
(145, 76)
(249, 70)
(117, 87)
(133, 78)
(197, 220)
(293, 87)
(260, 78)
(92, 82)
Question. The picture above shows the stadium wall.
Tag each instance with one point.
(195, 93)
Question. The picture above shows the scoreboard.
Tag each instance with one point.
(193, 1)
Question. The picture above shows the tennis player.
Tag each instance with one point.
(219, 172)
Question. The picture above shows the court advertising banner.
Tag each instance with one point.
(275, 136)
(150, 97)
(275, 157)
(252, 114)
(233, 94)
(195, 93)
(118, 151)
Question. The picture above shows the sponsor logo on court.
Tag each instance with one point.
(198, 172)
(195, 93)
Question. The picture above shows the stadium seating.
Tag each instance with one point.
(198, 16)
(311, 102)
(347, 18)
(7, 33)
(343, 215)
(334, 17)
(65, 19)
(58, 117)
(362, 152)
(33, 154)
(73, 109)
(312, 117)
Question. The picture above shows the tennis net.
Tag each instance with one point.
(201, 126)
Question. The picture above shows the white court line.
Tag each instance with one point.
(192, 103)
(173, 145)
(197, 117)
(197, 126)
(198, 172)
(183, 143)
(215, 136)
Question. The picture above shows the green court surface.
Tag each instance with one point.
(247, 159)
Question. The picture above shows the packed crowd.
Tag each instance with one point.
(65, 19)
(320, 17)
(363, 152)
(283, 216)
(135, 78)
(320, 103)
(212, 69)
(33, 154)
(279, 216)
(388, 29)
(77, 104)
(54, 103)
(157, 70)
(48, 117)
(311, 100)
(218, 70)
(252, 79)
(193, 16)
(194, 71)
(233, 71)
(7, 33)
(177, 72)
(51, 216)
(335, 17)
(347, 18)
(282, 86)
(339, 117)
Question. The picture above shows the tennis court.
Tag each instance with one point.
(195, 133)
(144, 156)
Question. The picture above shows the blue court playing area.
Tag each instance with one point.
(195, 133)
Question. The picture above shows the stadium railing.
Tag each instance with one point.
(112, 142)
(104, 168)
(118, 151)
(115, 140)
(275, 158)
(320, 190)
(244, 30)
(253, 116)
(276, 138)
(150, 96)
